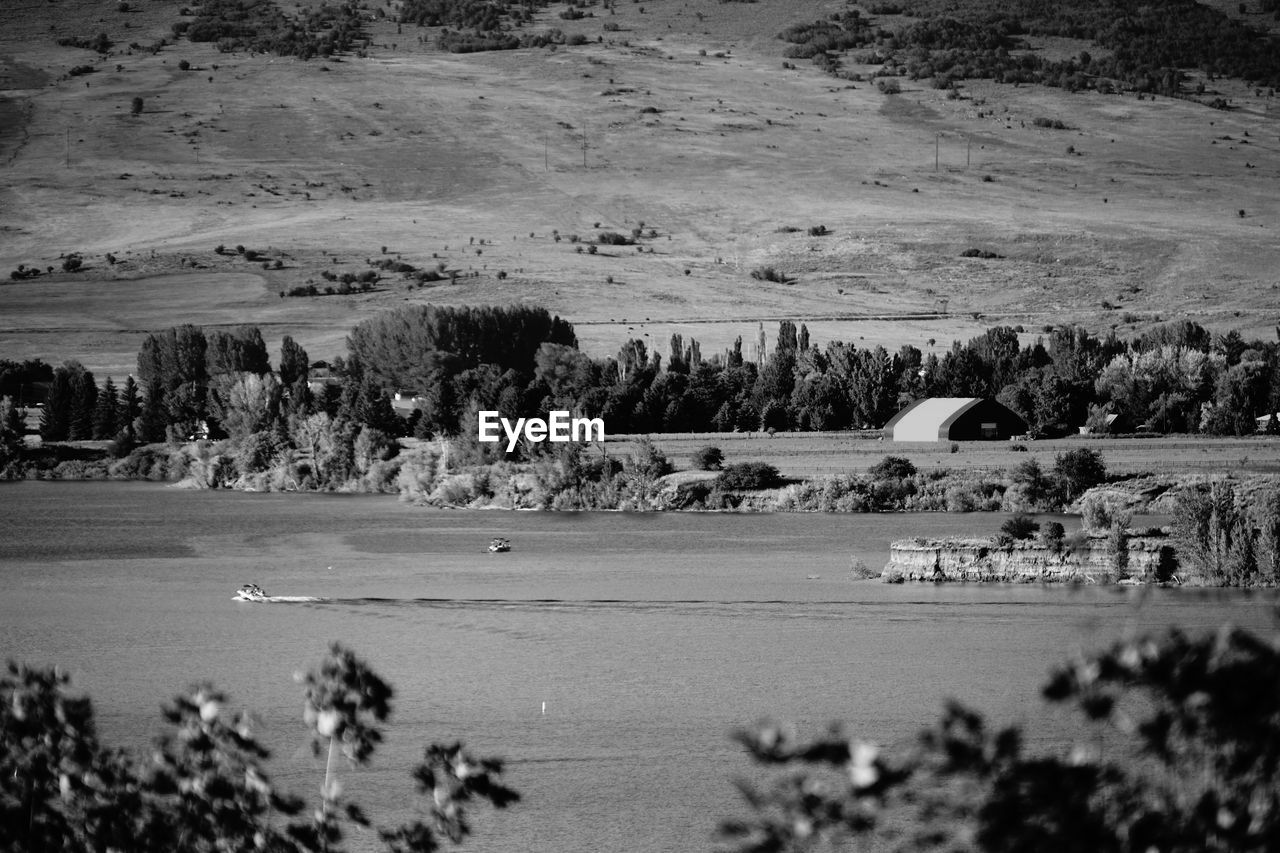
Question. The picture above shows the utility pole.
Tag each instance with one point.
(968, 149)
(68, 147)
(584, 145)
(936, 137)
(545, 163)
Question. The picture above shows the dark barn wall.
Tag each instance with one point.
(969, 425)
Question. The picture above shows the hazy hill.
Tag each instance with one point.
(693, 127)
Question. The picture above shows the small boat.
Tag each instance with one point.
(250, 592)
(499, 545)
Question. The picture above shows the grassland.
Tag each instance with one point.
(692, 127)
(816, 455)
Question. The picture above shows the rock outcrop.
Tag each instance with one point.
(1146, 557)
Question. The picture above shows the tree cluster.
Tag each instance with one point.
(1147, 46)
(1175, 378)
(1226, 539)
(260, 25)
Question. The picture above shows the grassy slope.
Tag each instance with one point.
(422, 151)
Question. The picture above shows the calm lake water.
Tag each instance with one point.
(649, 638)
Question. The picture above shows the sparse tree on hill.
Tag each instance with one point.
(135, 106)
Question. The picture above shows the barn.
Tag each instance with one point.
(954, 419)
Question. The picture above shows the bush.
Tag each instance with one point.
(1053, 534)
(1020, 527)
(892, 468)
(749, 475)
(1079, 470)
(613, 238)
(889, 86)
(708, 458)
(770, 274)
(71, 263)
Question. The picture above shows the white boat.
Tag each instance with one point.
(499, 545)
(250, 592)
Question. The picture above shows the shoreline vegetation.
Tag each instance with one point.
(208, 410)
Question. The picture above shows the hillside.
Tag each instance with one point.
(1137, 211)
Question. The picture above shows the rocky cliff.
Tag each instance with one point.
(1091, 560)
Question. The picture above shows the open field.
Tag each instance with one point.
(810, 455)
(692, 127)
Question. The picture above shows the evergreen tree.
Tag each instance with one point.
(84, 401)
(130, 407)
(106, 412)
(151, 418)
(55, 420)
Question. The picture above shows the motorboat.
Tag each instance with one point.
(250, 592)
(499, 545)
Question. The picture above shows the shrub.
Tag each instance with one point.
(818, 231)
(648, 461)
(889, 86)
(708, 458)
(749, 475)
(135, 106)
(613, 238)
(892, 468)
(1020, 527)
(1053, 534)
(1079, 470)
(71, 263)
(184, 65)
(770, 274)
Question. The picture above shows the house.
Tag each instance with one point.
(1264, 421)
(404, 402)
(1112, 424)
(954, 419)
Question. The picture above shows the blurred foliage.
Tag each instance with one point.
(205, 787)
(1191, 730)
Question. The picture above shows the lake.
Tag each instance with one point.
(649, 637)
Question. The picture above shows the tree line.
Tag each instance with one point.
(523, 362)
(1146, 45)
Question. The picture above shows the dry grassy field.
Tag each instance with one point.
(692, 126)
(810, 455)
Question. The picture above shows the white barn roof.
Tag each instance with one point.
(922, 420)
